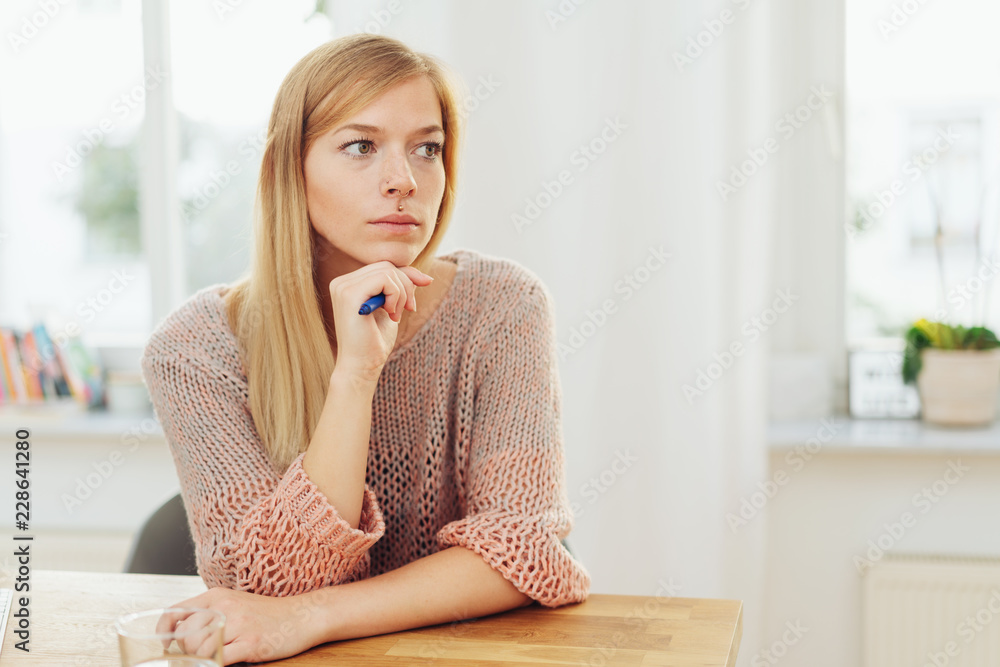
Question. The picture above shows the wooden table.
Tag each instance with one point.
(72, 615)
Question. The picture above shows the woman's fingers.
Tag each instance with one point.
(364, 343)
(419, 278)
(399, 295)
(196, 634)
(411, 278)
(399, 287)
(166, 623)
(207, 646)
(236, 651)
(415, 278)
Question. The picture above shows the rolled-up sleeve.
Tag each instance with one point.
(514, 472)
(254, 529)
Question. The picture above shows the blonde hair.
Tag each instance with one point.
(275, 308)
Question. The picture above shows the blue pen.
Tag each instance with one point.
(371, 304)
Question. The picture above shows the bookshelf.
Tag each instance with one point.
(68, 420)
(37, 368)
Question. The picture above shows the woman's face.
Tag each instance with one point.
(360, 171)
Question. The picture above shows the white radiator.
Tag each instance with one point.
(931, 611)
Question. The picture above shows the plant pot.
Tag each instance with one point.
(959, 387)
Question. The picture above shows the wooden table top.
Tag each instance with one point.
(72, 615)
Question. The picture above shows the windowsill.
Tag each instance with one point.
(912, 436)
(68, 420)
(848, 435)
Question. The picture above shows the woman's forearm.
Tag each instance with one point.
(337, 457)
(450, 585)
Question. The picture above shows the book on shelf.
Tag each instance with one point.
(12, 372)
(53, 367)
(36, 369)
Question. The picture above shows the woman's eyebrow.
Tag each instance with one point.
(373, 129)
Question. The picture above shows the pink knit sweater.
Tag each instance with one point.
(465, 449)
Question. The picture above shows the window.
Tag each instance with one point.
(224, 87)
(72, 158)
(923, 170)
(70, 118)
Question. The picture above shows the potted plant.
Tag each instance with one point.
(957, 372)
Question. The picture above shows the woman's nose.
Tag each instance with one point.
(397, 177)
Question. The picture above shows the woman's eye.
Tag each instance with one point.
(363, 148)
(433, 150)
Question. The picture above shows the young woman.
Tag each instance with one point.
(348, 475)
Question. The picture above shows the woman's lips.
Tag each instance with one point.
(396, 217)
(396, 227)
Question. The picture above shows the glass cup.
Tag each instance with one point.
(171, 637)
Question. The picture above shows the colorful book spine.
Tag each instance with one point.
(29, 365)
(34, 368)
(77, 387)
(5, 380)
(89, 370)
(53, 367)
(12, 365)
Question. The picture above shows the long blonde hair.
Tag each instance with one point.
(275, 308)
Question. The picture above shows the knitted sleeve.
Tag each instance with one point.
(254, 529)
(513, 479)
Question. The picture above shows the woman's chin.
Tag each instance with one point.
(399, 252)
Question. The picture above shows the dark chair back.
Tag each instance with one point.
(164, 544)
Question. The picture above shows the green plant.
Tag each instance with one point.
(944, 337)
(108, 199)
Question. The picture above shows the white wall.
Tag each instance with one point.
(827, 512)
(808, 50)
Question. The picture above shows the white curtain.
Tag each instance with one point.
(653, 471)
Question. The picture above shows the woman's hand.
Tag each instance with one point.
(364, 342)
(258, 627)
